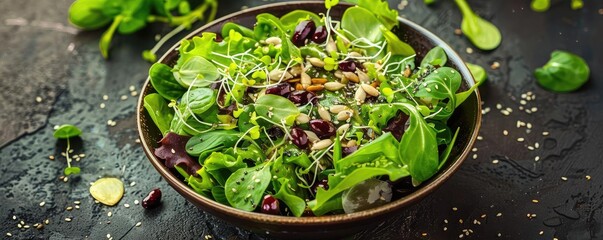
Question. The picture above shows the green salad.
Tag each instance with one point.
(304, 114)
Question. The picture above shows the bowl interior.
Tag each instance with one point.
(467, 117)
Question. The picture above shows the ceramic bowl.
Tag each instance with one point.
(467, 117)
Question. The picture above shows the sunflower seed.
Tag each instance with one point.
(331, 47)
(333, 86)
(305, 80)
(324, 114)
(360, 96)
(312, 136)
(302, 118)
(364, 78)
(338, 74)
(343, 128)
(315, 88)
(344, 115)
(354, 55)
(351, 76)
(351, 143)
(337, 108)
(316, 62)
(319, 80)
(296, 70)
(277, 74)
(322, 144)
(370, 90)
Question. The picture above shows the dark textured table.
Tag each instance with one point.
(53, 74)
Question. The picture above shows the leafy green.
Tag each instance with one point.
(435, 57)
(395, 45)
(164, 82)
(291, 19)
(196, 71)
(199, 100)
(296, 204)
(418, 147)
(276, 108)
(441, 84)
(71, 170)
(268, 25)
(564, 72)
(238, 28)
(220, 166)
(67, 131)
(245, 188)
(483, 34)
(159, 111)
(478, 72)
(204, 144)
(380, 9)
(88, 14)
(368, 28)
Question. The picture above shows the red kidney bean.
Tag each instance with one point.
(302, 97)
(152, 200)
(322, 128)
(303, 31)
(270, 205)
(299, 137)
(347, 66)
(320, 34)
(281, 89)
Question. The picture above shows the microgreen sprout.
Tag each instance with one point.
(66, 132)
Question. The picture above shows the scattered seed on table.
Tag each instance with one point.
(505, 132)
(535, 200)
(138, 224)
(498, 106)
(564, 178)
(47, 221)
(102, 105)
(541, 232)
(469, 50)
(42, 204)
(454, 209)
(132, 88)
(520, 139)
(587, 177)
(39, 99)
(132, 184)
(9, 234)
(495, 65)
(499, 214)
(531, 148)
(14, 217)
(126, 205)
(69, 208)
(495, 161)
(136, 202)
(475, 156)
(77, 206)
(124, 97)
(109, 214)
(545, 133)
(67, 219)
(480, 137)
(537, 158)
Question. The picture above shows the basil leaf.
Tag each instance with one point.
(245, 188)
(564, 72)
(164, 83)
(159, 111)
(276, 108)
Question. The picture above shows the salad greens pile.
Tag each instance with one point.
(129, 16)
(304, 110)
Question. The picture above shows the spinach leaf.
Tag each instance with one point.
(276, 108)
(462, 96)
(196, 71)
(483, 34)
(219, 195)
(159, 111)
(441, 84)
(202, 183)
(418, 147)
(444, 156)
(199, 100)
(164, 82)
(564, 72)
(204, 144)
(268, 25)
(296, 204)
(105, 41)
(385, 145)
(332, 205)
(369, 27)
(395, 45)
(435, 57)
(245, 188)
(355, 177)
(293, 155)
(67, 131)
(291, 19)
(379, 114)
(220, 166)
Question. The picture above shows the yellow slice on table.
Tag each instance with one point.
(108, 191)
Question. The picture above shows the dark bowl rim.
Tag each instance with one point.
(418, 194)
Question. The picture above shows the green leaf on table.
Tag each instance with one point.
(483, 34)
(540, 5)
(71, 170)
(478, 72)
(66, 131)
(245, 188)
(564, 72)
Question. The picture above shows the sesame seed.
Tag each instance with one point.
(498, 234)
(65, 179)
(445, 220)
(126, 205)
(536, 145)
(19, 225)
(42, 204)
(564, 178)
(445, 228)
(14, 217)
(454, 209)
(505, 132)
(537, 158)
(77, 206)
(46, 221)
(39, 99)
(132, 88)
(529, 125)
(505, 112)
(587, 177)
(499, 214)
(555, 237)
(545, 133)
(469, 50)
(475, 156)
(495, 161)
(535, 200)
(123, 97)
(105, 97)
(9, 234)
(534, 109)
(69, 208)
(424, 234)
(108, 235)
(522, 102)
(461, 221)
(26, 226)
(102, 105)
(133, 93)
(138, 224)
(541, 232)
(136, 202)
(132, 184)
(498, 106)
(474, 149)
(483, 216)
(531, 148)
(520, 139)
(76, 202)
(67, 219)
(109, 214)
(480, 138)
(495, 65)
